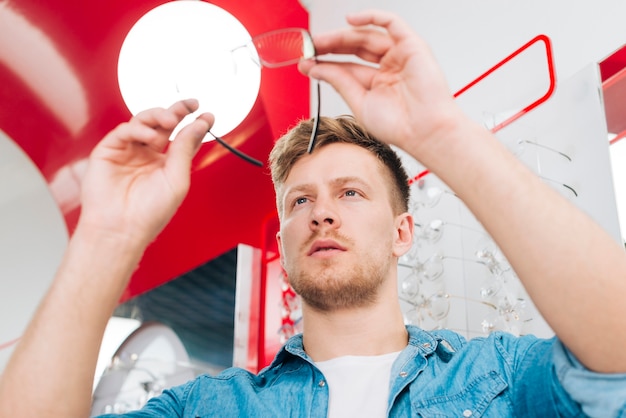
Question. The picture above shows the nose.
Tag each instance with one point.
(324, 214)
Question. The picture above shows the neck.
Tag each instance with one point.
(366, 331)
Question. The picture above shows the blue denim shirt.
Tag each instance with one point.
(438, 374)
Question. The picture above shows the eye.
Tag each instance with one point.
(300, 201)
(351, 193)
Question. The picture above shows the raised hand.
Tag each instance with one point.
(136, 177)
(572, 268)
(135, 181)
(399, 94)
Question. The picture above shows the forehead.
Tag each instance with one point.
(337, 165)
(334, 161)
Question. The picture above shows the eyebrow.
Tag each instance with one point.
(341, 181)
(337, 182)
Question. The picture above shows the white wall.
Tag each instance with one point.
(467, 37)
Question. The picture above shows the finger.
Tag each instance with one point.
(369, 44)
(167, 119)
(397, 28)
(186, 145)
(334, 72)
(128, 132)
(122, 137)
(161, 122)
(352, 81)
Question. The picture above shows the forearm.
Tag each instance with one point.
(51, 371)
(573, 270)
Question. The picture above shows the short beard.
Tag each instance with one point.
(329, 291)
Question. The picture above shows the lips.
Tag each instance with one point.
(324, 246)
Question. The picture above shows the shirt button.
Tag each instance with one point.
(321, 383)
(426, 345)
(403, 374)
(467, 413)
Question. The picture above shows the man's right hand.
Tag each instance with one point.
(136, 177)
(135, 181)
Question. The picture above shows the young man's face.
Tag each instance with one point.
(339, 237)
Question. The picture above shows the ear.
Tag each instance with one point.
(279, 241)
(404, 234)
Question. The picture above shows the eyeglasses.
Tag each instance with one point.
(510, 314)
(520, 146)
(433, 230)
(427, 197)
(433, 267)
(428, 312)
(275, 49)
(423, 288)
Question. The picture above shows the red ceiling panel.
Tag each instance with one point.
(613, 72)
(59, 96)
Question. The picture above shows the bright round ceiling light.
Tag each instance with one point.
(183, 49)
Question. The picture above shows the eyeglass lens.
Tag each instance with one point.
(275, 49)
(283, 47)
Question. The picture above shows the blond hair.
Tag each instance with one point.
(343, 129)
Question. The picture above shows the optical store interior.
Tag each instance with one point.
(548, 78)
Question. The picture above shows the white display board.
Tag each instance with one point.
(455, 277)
(33, 237)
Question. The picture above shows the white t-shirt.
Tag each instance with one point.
(358, 385)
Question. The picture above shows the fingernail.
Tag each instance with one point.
(191, 104)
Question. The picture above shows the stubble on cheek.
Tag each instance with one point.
(340, 282)
(332, 286)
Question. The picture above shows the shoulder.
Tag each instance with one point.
(509, 350)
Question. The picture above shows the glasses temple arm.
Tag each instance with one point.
(236, 151)
(316, 124)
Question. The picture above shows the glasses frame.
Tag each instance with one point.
(307, 46)
(316, 121)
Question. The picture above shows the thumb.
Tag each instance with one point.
(350, 80)
(185, 146)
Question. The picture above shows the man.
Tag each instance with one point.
(343, 226)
